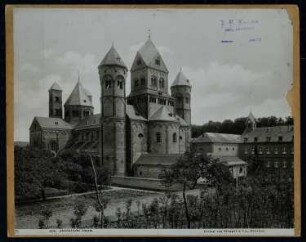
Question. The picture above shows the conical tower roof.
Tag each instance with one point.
(181, 80)
(251, 117)
(150, 56)
(55, 86)
(78, 96)
(112, 58)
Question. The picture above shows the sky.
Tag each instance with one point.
(238, 61)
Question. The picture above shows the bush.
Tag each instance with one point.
(59, 223)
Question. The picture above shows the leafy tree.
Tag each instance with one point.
(189, 169)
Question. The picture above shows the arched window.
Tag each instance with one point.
(108, 82)
(158, 137)
(153, 81)
(136, 83)
(174, 137)
(142, 81)
(161, 83)
(120, 82)
(140, 135)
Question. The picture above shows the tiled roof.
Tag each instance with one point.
(158, 159)
(230, 160)
(149, 53)
(181, 80)
(218, 138)
(132, 114)
(78, 96)
(93, 120)
(182, 121)
(112, 58)
(163, 114)
(263, 133)
(52, 123)
(55, 86)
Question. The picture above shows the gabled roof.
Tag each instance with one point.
(149, 53)
(132, 114)
(158, 159)
(273, 133)
(78, 96)
(218, 138)
(163, 114)
(55, 86)
(181, 80)
(52, 123)
(112, 58)
(90, 121)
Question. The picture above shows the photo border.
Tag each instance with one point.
(294, 98)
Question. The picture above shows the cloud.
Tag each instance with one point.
(228, 91)
(76, 62)
(134, 48)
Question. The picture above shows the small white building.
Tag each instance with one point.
(223, 147)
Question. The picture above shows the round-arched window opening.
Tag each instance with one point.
(140, 135)
(240, 170)
(181, 137)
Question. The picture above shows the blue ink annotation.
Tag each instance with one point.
(227, 41)
(257, 39)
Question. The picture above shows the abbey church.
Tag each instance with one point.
(133, 135)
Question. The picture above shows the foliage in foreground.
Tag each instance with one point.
(37, 169)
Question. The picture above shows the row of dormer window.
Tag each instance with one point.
(267, 150)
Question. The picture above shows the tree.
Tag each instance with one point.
(101, 202)
(189, 169)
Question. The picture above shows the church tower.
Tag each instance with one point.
(55, 101)
(250, 123)
(113, 72)
(78, 105)
(181, 91)
(149, 81)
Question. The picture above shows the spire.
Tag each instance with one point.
(79, 96)
(55, 86)
(112, 58)
(151, 57)
(181, 80)
(79, 79)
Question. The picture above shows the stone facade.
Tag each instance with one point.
(273, 146)
(148, 121)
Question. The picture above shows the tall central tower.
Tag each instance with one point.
(113, 72)
(149, 81)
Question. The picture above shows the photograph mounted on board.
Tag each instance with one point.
(153, 121)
